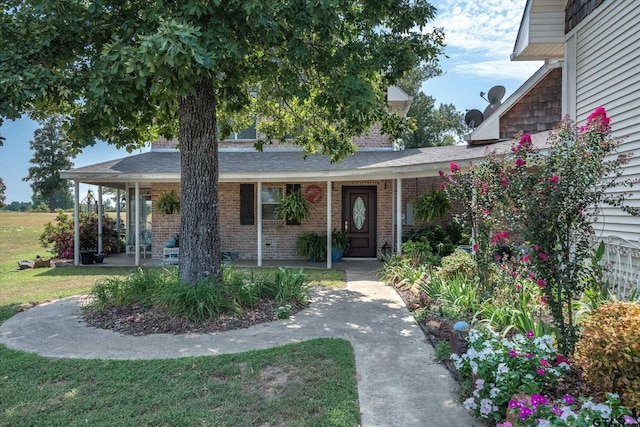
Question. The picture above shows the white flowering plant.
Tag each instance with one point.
(570, 412)
(497, 368)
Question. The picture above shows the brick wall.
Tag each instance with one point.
(373, 139)
(539, 110)
(278, 239)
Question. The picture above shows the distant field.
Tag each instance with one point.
(19, 232)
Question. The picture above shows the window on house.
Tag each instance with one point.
(247, 133)
(271, 197)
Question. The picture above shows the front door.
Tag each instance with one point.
(359, 220)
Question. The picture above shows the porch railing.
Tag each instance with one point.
(621, 266)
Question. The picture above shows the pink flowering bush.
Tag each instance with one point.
(60, 236)
(551, 208)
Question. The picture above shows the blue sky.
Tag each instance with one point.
(479, 35)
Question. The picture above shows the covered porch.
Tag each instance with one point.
(385, 172)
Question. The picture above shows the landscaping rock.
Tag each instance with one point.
(25, 264)
(42, 263)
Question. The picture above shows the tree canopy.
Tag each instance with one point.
(127, 72)
(443, 125)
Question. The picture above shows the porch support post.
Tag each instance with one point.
(137, 223)
(100, 210)
(76, 223)
(118, 224)
(399, 216)
(127, 213)
(329, 227)
(259, 208)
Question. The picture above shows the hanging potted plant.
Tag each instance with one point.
(431, 206)
(293, 207)
(168, 203)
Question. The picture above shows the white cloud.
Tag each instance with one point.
(480, 36)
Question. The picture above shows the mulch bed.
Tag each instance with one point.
(140, 320)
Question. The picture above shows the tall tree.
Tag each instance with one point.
(51, 154)
(443, 125)
(3, 193)
(127, 72)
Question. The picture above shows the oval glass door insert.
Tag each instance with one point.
(359, 213)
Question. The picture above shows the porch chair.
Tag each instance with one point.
(145, 243)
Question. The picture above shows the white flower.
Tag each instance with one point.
(486, 406)
(494, 392)
(529, 376)
(566, 413)
(469, 404)
(474, 367)
(479, 383)
(544, 423)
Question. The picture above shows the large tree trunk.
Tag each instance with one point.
(199, 231)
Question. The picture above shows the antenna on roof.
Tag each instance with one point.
(473, 118)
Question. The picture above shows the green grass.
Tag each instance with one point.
(307, 384)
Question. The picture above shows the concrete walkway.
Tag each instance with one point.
(399, 382)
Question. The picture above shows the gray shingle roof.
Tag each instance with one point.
(287, 165)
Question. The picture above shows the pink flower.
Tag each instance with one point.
(536, 247)
(519, 162)
(475, 247)
(525, 258)
(543, 256)
(498, 257)
(568, 399)
(443, 186)
(513, 273)
(538, 399)
(561, 359)
(544, 362)
(541, 283)
(440, 173)
(525, 140)
(544, 299)
(512, 353)
(554, 178)
(504, 424)
(530, 334)
(529, 355)
(454, 167)
(540, 371)
(518, 286)
(525, 412)
(599, 120)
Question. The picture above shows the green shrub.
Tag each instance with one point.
(609, 350)
(442, 351)
(459, 263)
(61, 234)
(136, 288)
(293, 287)
(206, 299)
(399, 268)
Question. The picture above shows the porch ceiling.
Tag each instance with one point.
(285, 166)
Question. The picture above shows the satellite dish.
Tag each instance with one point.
(473, 118)
(491, 108)
(496, 94)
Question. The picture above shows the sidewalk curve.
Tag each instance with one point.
(399, 382)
